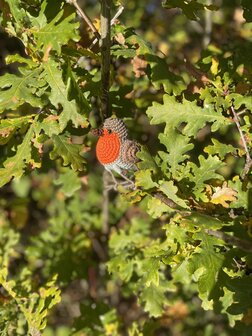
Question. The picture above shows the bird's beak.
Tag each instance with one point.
(97, 132)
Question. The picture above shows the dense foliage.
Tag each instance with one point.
(173, 256)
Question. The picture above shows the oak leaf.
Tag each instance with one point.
(223, 194)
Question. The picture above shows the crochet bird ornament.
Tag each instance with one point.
(114, 150)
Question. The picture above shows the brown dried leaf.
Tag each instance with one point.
(139, 66)
(120, 39)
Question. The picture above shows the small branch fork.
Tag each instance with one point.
(248, 163)
(112, 22)
(88, 21)
(85, 17)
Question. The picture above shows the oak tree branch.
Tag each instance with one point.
(105, 56)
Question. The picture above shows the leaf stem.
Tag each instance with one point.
(244, 143)
(105, 56)
(85, 18)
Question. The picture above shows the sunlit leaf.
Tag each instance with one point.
(59, 97)
(174, 114)
(15, 165)
(70, 153)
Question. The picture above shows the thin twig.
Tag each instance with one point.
(117, 14)
(244, 143)
(112, 22)
(242, 112)
(85, 18)
(99, 249)
(105, 56)
(244, 245)
(167, 201)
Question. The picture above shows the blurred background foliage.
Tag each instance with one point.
(52, 219)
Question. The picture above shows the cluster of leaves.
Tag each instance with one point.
(186, 229)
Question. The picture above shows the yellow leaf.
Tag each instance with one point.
(214, 66)
(111, 328)
(223, 194)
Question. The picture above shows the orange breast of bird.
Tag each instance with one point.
(108, 148)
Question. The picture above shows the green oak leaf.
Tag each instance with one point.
(190, 9)
(18, 58)
(154, 299)
(15, 90)
(146, 160)
(241, 286)
(170, 190)
(59, 97)
(120, 241)
(49, 125)
(121, 266)
(156, 208)
(204, 172)
(70, 153)
(17, 12)
(161, 77)
(202, 220)
(205, 263)
(181, 273)
(176, 235)
(150, 268)
(243, 197)
(226, 300)
(9, 126)
(144, 179)
(69, 182)
(174, 114)
(239, 100)
(219, 149)
(56, 33)
(121, 51)
(177, 146)
(74, 89)
(133, 39)
(15, 165)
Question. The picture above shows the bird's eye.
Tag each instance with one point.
(109, 131)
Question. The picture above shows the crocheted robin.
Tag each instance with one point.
(114, 150)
